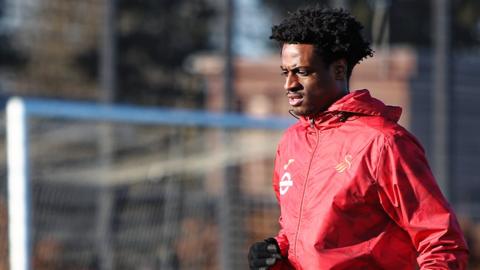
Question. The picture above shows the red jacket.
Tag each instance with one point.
(356, 192)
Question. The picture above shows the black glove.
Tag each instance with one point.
(264, 254)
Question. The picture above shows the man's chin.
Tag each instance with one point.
(306, 113)
(302, 112)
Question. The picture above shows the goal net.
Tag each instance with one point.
(108, 191)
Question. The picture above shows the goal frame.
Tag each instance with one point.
(18, 112)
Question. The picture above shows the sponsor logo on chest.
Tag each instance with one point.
(286, 181)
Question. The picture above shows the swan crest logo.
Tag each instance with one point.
(345, 164)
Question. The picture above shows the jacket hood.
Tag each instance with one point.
(362, 103)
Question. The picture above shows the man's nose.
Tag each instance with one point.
(291, 82)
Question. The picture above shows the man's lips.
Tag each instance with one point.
(294, 99)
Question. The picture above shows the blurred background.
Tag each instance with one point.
(107, 195)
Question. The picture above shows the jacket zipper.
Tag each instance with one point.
(312, 124)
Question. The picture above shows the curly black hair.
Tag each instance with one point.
(334, 33)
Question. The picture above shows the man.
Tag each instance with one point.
(354, 187)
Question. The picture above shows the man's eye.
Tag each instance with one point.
(302, 72)
(284, 73)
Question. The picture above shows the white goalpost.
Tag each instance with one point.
(18, 199)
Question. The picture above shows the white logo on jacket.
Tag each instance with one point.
(285, 183)
(286, 180)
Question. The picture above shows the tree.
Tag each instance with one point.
(11, 57)
(154, 38)
(405, 15)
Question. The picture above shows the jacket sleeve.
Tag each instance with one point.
(411, 197)
(281, 237)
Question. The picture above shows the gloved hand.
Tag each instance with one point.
(264, 254)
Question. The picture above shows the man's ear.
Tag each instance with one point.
(339, 69)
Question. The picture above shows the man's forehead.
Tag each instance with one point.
(298, 54)
(300, 47)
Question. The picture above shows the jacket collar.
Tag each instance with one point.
(358, 102)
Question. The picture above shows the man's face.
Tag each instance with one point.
(311, 86)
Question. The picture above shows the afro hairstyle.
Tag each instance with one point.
(334, 33)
